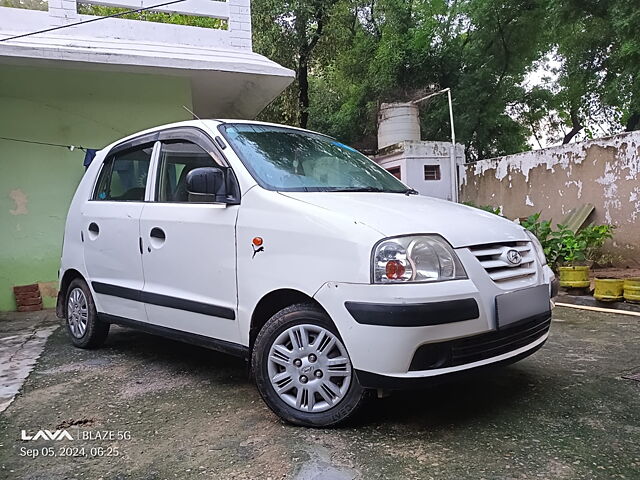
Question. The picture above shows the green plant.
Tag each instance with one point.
(154, 16)
(563, 246)
(544, 232)
(595, 236)
(486, 208)
(571, 246)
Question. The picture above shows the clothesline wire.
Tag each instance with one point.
(75, 24)
(35, 142)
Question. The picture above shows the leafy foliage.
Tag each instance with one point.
(288, 32)
(599, 44)
(25, 4)
(351, 55)
(486, 208)
(150, 16)
(373, 51)
(563, 246)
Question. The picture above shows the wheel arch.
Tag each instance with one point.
(272, 303)
(69, 275)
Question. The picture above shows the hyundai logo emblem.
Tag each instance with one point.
(514, 257)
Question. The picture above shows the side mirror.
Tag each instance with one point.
(207, 184)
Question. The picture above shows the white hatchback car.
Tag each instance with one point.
(301, 255)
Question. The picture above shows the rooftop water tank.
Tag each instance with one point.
(397, 122)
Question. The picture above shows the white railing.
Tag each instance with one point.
(236, 13)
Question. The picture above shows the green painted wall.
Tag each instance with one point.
(66, 106)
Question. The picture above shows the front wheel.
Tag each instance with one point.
(302, 368)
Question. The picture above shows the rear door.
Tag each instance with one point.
(111, 232)
(189, 247)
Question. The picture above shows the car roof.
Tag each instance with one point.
(209, 123)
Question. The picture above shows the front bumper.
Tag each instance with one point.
(405, 333)
(374, 380)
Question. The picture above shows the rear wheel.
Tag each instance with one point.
(303, 370)
(83, 325)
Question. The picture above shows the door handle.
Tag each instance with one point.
(94, 230)
(157, 237)
(158, 233)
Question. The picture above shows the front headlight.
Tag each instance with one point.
(415, 258)
(537, 247)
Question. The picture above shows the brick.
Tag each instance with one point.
(30, 308)
(20, 289)
(29, 301)
(27, 296)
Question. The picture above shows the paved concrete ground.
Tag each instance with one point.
(21, 343)
(565, 413)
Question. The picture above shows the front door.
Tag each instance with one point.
(111, 233)
(188, 249)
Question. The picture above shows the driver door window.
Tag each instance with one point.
(176, 160)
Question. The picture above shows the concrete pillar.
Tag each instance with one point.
(240, 24)
(62, 12)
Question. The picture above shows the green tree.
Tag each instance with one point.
(599, 45)
(399, 49)
(288, 32)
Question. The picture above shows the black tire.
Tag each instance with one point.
(301, 314)
(96, 331)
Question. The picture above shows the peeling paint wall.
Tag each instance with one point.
(603, 172)
(66, 106)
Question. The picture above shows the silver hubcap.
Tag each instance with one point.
(309, 368)
(77, 312)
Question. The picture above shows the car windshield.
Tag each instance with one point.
(287, 159)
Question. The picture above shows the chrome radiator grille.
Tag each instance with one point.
(499, 262)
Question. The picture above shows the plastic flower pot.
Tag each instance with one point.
(609, 289)
(574, 277)
(632, 290)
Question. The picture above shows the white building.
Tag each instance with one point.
(225, 77)
(90, 84)
(424, 166)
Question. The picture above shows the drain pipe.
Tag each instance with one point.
(452, 152)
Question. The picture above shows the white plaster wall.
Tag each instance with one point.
(604, 172)
(413, 156)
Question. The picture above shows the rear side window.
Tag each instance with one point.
(124, 176)
(177, 159)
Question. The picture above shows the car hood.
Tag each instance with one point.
(394, 214)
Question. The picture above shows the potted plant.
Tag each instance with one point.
(576, 251)
(569, 253)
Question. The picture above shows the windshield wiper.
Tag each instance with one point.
(357, 189)
(408, 191)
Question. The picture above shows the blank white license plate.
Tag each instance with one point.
(522, 304)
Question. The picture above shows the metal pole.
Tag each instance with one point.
(420, 100)
(452, 153)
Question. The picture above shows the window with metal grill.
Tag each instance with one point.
(396, 172)
(432, 172)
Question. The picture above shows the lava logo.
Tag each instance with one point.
(514, 257)
(46, 435)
